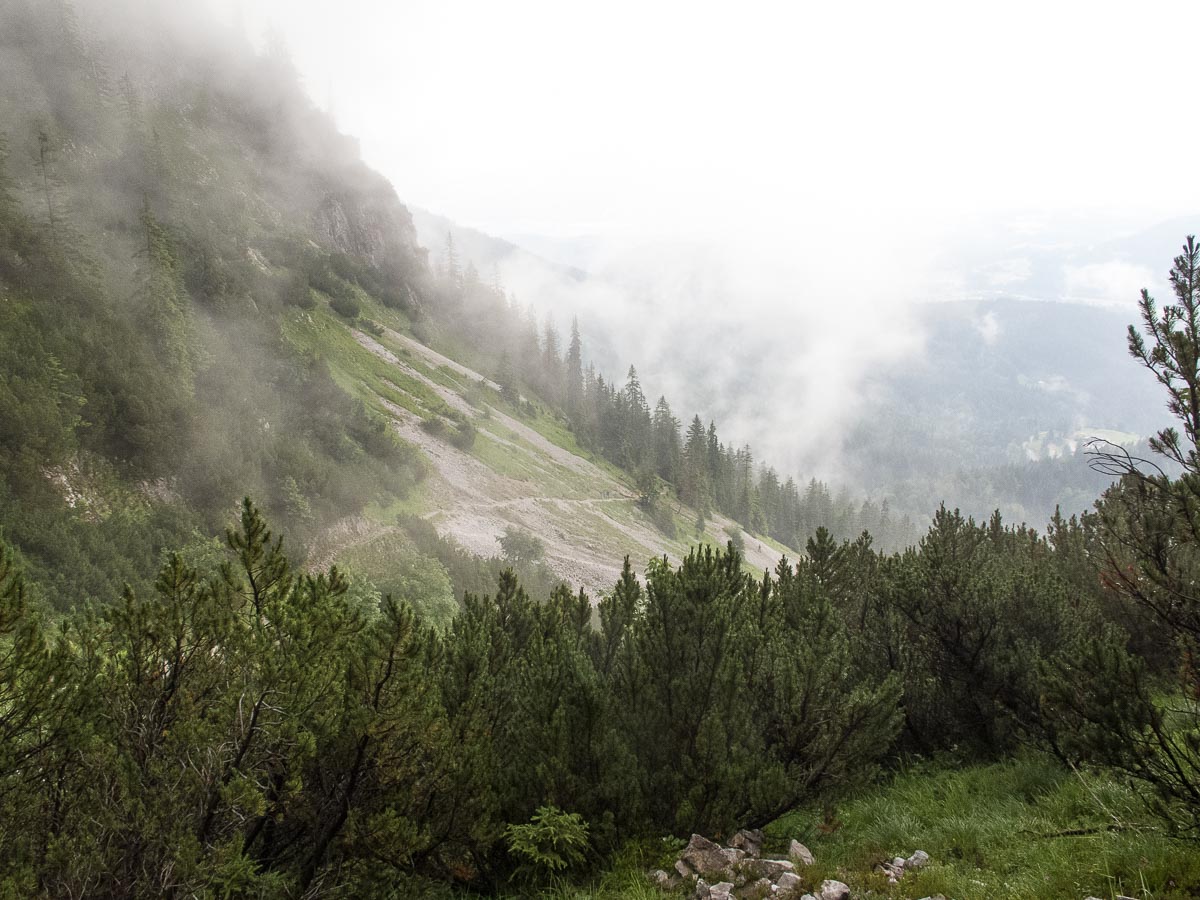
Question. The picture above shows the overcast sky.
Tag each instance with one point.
(652, 117)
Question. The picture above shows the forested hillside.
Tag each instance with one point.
(164, 205)
(189, 243)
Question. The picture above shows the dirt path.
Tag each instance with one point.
(586, 537)
(437, 360)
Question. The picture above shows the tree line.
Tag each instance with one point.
(669, 463)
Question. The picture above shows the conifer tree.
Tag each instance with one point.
(574, 374)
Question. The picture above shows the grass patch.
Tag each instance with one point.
(357, 370)
(998, 832)
(394, 566)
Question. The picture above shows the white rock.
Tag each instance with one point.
(917, 860)
(899, 862)
(799, 854)
(834, 890)
(788, 880)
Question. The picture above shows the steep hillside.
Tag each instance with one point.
(206, 294)
(492, 465)
(168, 198)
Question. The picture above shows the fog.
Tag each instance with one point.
(781, 183)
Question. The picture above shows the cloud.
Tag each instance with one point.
(1114, 283)
(988, 327)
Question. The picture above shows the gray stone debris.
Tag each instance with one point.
(757, 890)
(788, 881)
(659, 878)
(749, 841)
(722, 890)
(739, 872)
(770, 869)
(917, 860)
(799, 854)
(704, 857)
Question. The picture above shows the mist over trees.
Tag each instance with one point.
(616, 421)
(156, 202)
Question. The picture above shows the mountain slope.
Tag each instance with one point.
(205, 294)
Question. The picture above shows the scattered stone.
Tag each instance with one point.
(799, 854)
(684, 870)
(749, 841)
(788, 881)
(893, 874)
(917, 860)
(770, 869)
(834, 890)
(898, 862)
(757, 890)
(721, 891)
(706, 858)
(659, 877)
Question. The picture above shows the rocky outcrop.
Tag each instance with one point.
(739, 871)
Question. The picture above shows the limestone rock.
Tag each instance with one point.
(707, 858)
(788, 881)
(799, 854)
(834, 890)
(661, 879)
(770, 869)
(749, 841)
(917, 860)
(757, 890)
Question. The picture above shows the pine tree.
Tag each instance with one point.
(1106, 697)
(636, 434)
(667, 450)
(695, 484)
(574, 374)
(451, 270)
